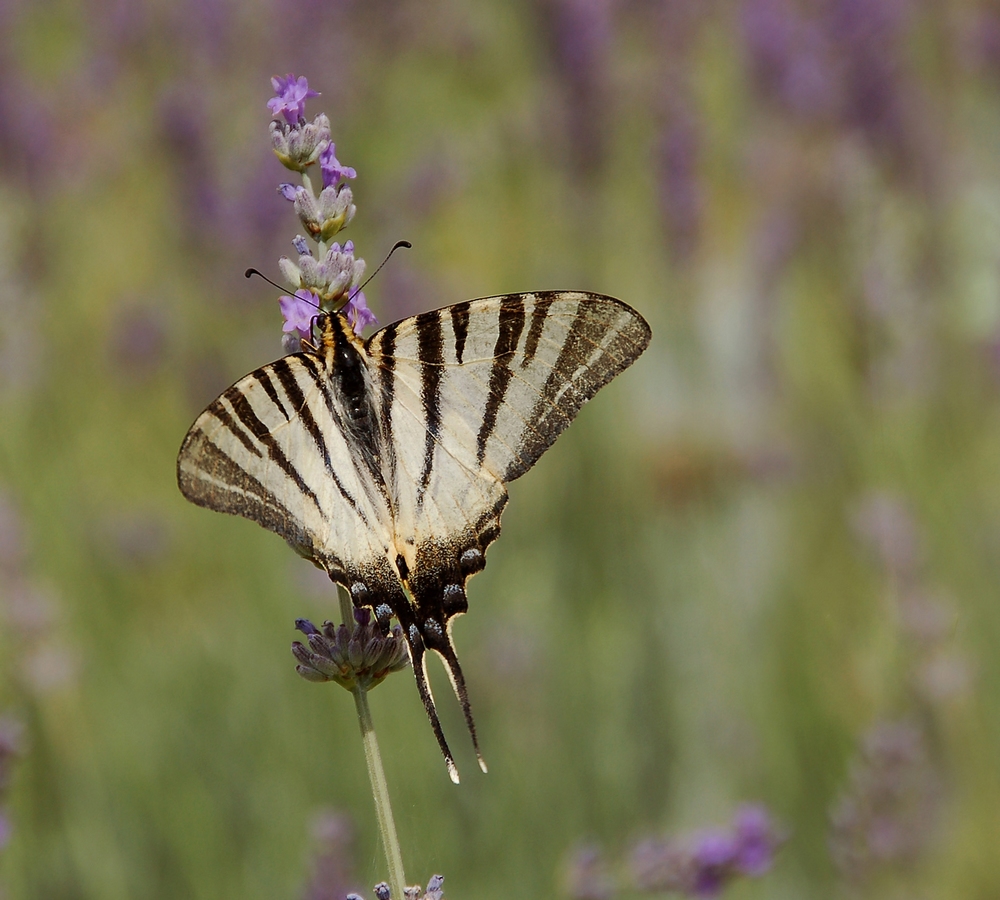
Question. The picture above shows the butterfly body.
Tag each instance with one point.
(385, 461)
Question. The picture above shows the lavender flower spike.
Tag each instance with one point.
(290, 101)
(333, 171)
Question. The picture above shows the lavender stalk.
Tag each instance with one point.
(380, 793)
(357, 654)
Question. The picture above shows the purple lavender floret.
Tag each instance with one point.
(358, 314)
(333, 171)
(290, 101)
(755, 840)
(299, 312)
(287, 190)
(714, 855)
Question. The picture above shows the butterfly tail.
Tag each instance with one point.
(418, 656)
(446, 650)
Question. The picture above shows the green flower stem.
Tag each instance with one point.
(380, 791)
(380, 787)
(346, 608)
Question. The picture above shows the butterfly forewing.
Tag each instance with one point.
(509, 373)
(270, 449)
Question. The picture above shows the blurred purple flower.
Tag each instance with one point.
(299, 312)
(885, 522)
(681, 197)
(288, 190)
(703, 864)
(11, 746)
(11, 539)
(789, 57)
(186, 135)
(138, 338)
(587, 876)
(714, 856)
(358, 314)
(888, 811)
(581, 33)
(866, 34)
(290, 101)
(333, 864)
(754, 839)
(842, 60)
(332, 170)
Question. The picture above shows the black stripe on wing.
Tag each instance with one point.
(538, 316)
(430, 352)
(263, 378)
(460, 325)
(229, 423)
(244, 412)
(386, 381)
(283, 369)
(510, 324)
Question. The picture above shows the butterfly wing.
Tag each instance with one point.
(270, 448)
(472, 395)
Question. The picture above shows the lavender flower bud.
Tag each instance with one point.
(382, 891)
(336, 209)
(306, 626)
(332, 277)
(299, 146)
(290, 272)
(363, 657)
(307, 209)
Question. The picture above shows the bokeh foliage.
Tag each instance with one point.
(780, 529)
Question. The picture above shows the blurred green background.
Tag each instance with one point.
(772, 541)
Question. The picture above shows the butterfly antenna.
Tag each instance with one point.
(253, 271)
(395, 247)
(418, 657)
(446, 651)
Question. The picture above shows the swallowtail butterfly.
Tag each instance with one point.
(384, 461)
